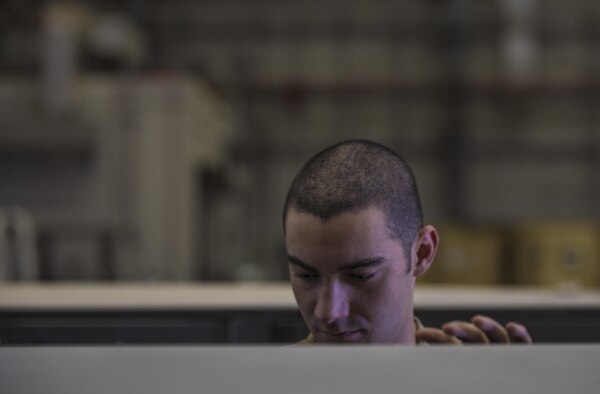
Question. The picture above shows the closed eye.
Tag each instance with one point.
(306, 275)
(363, 277)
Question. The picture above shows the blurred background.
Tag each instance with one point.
(155, 140)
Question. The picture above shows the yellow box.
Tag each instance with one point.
(467, 255)
(557, 254)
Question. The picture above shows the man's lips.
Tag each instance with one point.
(347, 335)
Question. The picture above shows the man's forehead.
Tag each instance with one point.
(345, 224)
(349, 237)
(372, 218)
(371, 210)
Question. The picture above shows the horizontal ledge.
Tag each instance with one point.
(270, 295)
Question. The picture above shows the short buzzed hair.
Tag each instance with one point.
(359, 174)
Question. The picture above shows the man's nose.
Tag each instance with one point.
(332, 304)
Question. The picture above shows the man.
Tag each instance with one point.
(356, 243)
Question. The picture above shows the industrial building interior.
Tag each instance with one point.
(153, 142)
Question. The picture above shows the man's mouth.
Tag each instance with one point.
(342, 336)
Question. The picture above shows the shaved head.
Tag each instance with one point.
(359, 174)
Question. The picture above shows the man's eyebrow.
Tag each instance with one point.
(370, 262)
(296, 261)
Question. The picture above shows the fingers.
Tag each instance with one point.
(518, 333)
(496, 333)
(466, 332)
(481, 329)
(491, 328)
(434, 335)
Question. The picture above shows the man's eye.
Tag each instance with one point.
(305, 275)
(362, 277)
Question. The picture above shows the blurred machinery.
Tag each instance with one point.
(108, 167)
(494, 104)
(125, 188)
(18, 252)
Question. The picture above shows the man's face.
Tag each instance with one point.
(350, 278)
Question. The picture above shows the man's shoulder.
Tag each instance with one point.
(309, 340)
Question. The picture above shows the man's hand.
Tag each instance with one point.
(481, 329)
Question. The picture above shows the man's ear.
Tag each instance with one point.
(424, 249)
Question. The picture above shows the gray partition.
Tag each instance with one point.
(344, 369)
